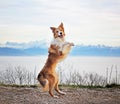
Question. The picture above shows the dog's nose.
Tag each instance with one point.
(60, 33)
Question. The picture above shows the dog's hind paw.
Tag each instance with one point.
(62, 93)
(56, 96)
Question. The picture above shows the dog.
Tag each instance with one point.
(58, 41)
(58, 50)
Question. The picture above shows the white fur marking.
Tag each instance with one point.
(58, 42)
(46, 81)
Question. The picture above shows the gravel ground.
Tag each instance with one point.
(14, 95)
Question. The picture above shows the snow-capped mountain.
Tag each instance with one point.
(24, 45)
(41, 48)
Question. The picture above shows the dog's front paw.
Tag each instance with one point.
(72, 44)
(60, 52)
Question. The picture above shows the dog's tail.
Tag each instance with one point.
(43, 81)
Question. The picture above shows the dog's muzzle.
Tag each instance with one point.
(60, 34)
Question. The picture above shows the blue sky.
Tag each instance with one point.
(86, 21)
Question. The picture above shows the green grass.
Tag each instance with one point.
(80, 86)
(63, 85)
(16, 85)
(85, 86)
(113, 85)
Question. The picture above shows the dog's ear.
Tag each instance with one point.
(61, 25)
(53, 29)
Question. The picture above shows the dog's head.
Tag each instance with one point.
(58, 32)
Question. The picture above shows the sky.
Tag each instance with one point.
(88, 22)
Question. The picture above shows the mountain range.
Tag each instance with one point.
(41, 48)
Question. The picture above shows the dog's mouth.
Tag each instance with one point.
(60, 35)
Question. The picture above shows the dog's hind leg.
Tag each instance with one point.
(51, 87)
(57, 89)
(43, 81)
(46, 87)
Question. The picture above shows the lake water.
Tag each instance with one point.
(70, 64)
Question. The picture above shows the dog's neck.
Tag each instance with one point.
(57, 40)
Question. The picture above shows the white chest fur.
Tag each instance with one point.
(58, 42)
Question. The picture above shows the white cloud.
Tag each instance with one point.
(90, 21)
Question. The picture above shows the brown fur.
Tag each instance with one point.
(48, 77)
